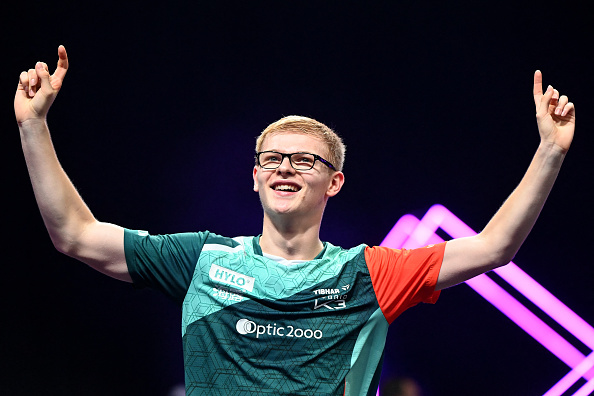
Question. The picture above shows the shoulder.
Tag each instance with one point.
(341, 256)
(381, 253)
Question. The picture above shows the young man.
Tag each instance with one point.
(282, 312)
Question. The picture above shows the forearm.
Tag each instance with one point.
(64, 213)
(501, 239)
(510, 226)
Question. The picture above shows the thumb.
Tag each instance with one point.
(44, 77)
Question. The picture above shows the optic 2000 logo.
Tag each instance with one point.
(246, 326)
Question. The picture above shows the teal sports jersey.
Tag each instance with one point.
(252, 325)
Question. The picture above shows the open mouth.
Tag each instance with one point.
(286, 187)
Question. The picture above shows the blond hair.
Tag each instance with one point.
(308, 126)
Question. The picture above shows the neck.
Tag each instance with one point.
(291, 241)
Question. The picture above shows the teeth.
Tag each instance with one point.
(285, 187)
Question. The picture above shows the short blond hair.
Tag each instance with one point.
(308, 126)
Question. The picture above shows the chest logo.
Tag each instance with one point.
(331, 298)
(228, 277)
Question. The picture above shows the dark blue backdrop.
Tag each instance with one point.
(156, 125)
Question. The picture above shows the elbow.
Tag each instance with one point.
(498, 253)
(66, 243)
(69, 238)
(64, 246)
(501, 257)
(500, 262)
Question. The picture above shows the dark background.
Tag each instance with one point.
(156, 125)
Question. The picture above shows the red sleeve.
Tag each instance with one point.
(403, 278)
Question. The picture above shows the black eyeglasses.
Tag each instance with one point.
(299, 161)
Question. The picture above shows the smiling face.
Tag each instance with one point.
(286, 192)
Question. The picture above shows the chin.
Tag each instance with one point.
(275, 211)
(283, 210)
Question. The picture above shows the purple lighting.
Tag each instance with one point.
(410, 232)
(572, 377)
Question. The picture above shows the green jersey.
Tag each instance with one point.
(252, 325)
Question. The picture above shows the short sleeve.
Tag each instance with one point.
(403, 278)
(163, 262)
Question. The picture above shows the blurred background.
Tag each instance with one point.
(156, 126)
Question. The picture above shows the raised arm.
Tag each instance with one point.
(498, 243)
(71, 225)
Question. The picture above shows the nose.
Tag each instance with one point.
(285, 166)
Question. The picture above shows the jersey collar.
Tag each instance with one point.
(258, 249)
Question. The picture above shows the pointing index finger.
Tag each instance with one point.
(62, 67)
(537, 89)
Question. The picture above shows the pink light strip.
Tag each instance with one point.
(503, 301)
(586, 390)
(439, 216)
(524, 318)
(410, 232)
(572, 377)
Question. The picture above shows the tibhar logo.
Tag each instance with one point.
(232, 278)
(331, 291)
(331, 298)
(326, 291)
(246, 326)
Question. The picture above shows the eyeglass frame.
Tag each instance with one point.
(288, 155)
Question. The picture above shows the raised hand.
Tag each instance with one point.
(37, 89)
(555, 115)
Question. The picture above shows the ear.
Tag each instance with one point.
(335, 184)
(255, 178)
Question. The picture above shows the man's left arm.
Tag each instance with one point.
(500, 240)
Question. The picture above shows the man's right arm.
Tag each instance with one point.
(71, 225)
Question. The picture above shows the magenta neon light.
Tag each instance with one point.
(440, 217)
(410, 232)
(586, 390)
(572, 377)
(502, 300)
